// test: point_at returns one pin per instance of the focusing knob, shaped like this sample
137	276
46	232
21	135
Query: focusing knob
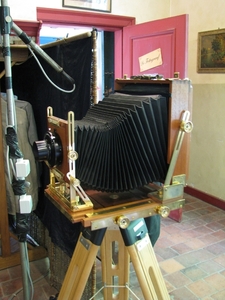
72	155
163	211
187	126
123	222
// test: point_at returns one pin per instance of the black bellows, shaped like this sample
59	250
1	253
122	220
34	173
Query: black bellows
122	142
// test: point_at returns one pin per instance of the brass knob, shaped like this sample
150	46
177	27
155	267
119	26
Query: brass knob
123	222
187	126
163	211
72	155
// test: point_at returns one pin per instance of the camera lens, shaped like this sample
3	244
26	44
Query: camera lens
41	150
49	149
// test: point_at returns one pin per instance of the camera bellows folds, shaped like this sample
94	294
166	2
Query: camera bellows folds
122	142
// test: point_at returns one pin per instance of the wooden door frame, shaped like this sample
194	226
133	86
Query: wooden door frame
107	22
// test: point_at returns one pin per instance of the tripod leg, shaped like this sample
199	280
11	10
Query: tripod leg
144	261
115	265
81	264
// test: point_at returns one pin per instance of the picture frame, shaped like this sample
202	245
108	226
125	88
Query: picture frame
98	5
211	51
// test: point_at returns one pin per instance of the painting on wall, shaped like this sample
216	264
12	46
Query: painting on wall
99	5
211	51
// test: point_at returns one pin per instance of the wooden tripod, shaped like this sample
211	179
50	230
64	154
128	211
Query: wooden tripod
137	243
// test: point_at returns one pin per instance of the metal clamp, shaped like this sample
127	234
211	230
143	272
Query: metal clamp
185	126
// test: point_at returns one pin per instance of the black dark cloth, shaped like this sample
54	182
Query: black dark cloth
63	233
31	85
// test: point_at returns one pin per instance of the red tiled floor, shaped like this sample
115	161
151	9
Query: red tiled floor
181	248
201	288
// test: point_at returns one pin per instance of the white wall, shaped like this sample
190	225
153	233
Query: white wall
143	10
207	157
25	10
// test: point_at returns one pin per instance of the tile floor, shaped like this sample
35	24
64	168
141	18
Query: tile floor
191	255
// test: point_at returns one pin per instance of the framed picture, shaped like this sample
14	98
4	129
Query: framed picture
211	51
99	5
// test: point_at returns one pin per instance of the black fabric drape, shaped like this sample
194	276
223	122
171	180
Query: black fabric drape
31	85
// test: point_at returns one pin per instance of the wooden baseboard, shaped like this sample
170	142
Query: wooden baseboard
205	197
15	259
